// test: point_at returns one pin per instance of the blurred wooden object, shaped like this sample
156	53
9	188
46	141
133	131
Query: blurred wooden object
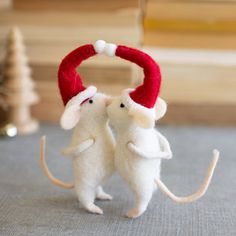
200	114
198	85
73	5
5	4
191	40
18	85
56	33
194	10
3	105
192	24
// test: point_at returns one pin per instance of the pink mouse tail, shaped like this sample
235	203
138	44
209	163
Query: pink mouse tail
47	171
201	191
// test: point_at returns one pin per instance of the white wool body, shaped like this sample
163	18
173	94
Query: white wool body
137	170
92	148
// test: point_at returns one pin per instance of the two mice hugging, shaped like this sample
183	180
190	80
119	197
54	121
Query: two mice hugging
138	149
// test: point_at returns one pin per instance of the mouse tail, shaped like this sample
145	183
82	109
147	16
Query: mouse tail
47	171
201	191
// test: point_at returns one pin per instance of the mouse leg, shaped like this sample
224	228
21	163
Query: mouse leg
142	198
156	177
101	195
86	196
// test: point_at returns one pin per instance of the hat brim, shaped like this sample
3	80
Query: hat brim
70	116
147	115
82	96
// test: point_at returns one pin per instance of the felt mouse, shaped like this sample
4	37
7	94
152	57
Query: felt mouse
139	146
92	144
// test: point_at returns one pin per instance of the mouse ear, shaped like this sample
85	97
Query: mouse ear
142	118
70	116
160	108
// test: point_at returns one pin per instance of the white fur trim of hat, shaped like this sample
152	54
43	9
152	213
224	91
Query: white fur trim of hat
70	116
134	107
82	96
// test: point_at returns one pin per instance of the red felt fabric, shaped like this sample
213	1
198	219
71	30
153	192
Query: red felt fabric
69	81
146	94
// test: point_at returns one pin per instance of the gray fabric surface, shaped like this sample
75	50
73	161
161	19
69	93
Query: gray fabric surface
31	205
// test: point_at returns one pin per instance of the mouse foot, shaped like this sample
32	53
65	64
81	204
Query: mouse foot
134	213
101	195
104	196
95	209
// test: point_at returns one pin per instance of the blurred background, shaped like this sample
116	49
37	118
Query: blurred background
193	41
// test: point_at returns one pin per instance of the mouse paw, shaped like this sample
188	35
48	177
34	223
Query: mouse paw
104	196
95	209
134	213
101	195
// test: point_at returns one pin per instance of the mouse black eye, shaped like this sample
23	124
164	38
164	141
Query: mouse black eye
122	105
90	101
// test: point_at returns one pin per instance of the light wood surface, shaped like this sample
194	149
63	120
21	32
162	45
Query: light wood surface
200	114
190	40
121	18
190	24
191	10
74	5
5	4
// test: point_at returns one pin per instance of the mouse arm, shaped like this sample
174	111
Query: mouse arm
164	145
76	150
145	154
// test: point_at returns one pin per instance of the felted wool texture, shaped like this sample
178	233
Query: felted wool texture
145	94
69	81
137	170
92	151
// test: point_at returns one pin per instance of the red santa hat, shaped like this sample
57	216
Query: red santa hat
69	81
142	99
72	90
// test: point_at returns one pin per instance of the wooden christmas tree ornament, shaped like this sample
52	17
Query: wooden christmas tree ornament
19	85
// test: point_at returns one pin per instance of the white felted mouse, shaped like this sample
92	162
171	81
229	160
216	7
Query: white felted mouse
140	148
92	145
